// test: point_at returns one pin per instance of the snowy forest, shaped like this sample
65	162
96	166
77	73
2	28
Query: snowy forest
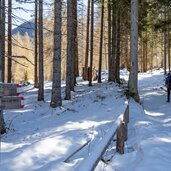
82	85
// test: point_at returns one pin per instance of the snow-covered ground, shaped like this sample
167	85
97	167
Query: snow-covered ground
41	138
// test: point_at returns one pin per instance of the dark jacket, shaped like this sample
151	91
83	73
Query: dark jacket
168	81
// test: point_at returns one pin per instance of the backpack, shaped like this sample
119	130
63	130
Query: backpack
168	81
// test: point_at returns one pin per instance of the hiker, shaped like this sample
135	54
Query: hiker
168	85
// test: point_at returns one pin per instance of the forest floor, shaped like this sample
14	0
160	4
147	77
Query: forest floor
41	138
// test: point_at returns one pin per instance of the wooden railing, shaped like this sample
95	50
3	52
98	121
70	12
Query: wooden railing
119	129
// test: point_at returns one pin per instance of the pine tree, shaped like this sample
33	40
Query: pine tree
41	67
85	76
113	55
2	123
133	76
35	47
69	50
9	41
3	40
56	99
71	47
1	57
118	40
109	41
101	42
92	42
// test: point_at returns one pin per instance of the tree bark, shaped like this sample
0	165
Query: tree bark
9	41
101	42
36	84
85	76
164	60
56	99
69	50
41	67
113	57
74	65
3	40
133	76
109	41
168	42
117	66
75	41
2	123
1	48
92	42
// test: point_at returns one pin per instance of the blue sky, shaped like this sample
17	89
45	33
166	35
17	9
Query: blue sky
27	13
21	15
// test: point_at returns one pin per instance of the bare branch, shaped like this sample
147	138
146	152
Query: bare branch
23	57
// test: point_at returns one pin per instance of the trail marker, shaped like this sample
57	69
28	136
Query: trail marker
11	102
8	100
9	89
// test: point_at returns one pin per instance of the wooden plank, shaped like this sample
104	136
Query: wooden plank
76	151
90	163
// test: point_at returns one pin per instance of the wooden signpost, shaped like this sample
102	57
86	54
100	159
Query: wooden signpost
8	89
8	96
9	99
11	102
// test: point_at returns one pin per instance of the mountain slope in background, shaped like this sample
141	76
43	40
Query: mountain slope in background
27	27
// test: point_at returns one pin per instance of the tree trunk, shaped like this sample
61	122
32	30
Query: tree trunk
85	75
101	42
1	48
109	41
75	41
168	50
2	123
144	56
3	40
36	84
168	36
133	76
41	67
113	57
9	41
117	66
127	63
76	58
152	53
56	99
164	60
69	50
92	42
74	65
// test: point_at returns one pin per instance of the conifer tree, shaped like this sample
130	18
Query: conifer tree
41	67
9	41
56	99
133	76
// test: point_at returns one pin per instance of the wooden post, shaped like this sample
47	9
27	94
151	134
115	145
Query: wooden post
120	139
125	131
2	122
126	114
125	121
